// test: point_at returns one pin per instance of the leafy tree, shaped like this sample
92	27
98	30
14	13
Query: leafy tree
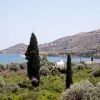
33	64
69	80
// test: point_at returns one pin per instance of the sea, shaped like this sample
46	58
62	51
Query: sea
18	58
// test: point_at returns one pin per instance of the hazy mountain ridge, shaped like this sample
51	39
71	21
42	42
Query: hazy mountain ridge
83	41
16	49
79	42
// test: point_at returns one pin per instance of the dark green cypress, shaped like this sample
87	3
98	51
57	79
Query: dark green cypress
33	64
69	80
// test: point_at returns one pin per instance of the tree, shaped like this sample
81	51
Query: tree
33	64
69	80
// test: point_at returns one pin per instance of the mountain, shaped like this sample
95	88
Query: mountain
84	41
16	49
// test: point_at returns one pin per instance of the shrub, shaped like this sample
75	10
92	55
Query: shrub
1	97
2	84
25	84
14	67
46	64
23	66
7	66
80	91
43	59
62	76
55	71
80	66
44	71
57	86
95	71
12	87
47	95
98	89
52	83
2	67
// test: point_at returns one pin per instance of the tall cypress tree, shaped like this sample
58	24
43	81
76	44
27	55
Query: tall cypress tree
69	80
33	64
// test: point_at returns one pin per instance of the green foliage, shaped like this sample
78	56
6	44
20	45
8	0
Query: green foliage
25	84
44	71
79	75
12	87
47	95
52	83
23	66
2	84
50	88
69	80
2	67
43	59
32	55
55	71
98	89
81	91
14	67
17	86
95	71
80	66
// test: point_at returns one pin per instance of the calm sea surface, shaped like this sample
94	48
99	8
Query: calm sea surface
8	58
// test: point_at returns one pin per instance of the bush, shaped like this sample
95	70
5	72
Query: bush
12	87
80	66
46	95
2	67
2	84
80	91
98	89
23	66
25	84
44	71
43	59
95	71
14	67
55	71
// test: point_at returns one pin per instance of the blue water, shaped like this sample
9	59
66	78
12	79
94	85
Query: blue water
8	58
74	59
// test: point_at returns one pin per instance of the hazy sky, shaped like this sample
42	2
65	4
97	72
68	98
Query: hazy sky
48	19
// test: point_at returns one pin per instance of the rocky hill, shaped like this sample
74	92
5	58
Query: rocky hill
16	49
85	42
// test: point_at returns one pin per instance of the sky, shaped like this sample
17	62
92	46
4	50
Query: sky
48	19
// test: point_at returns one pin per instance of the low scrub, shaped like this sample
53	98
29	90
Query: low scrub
44	71
78	66
81	91
12	88
2	67
14	67
25	84
95	71
23	66
2	84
